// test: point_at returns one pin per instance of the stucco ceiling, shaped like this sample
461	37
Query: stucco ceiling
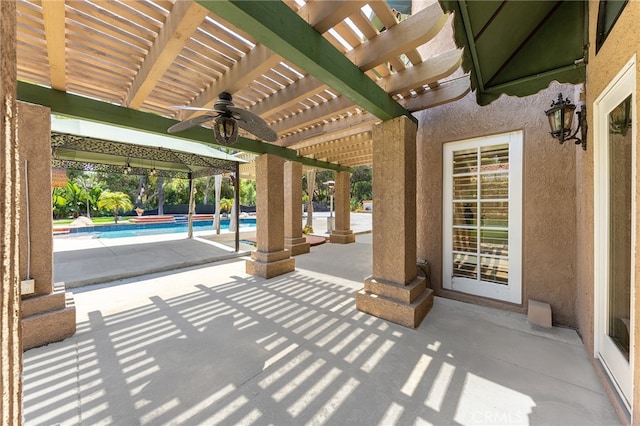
320	73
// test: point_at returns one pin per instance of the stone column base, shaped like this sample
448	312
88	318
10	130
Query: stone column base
47	318
297	245
269	265
406	305
342	237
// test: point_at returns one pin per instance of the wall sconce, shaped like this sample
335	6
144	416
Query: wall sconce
561	120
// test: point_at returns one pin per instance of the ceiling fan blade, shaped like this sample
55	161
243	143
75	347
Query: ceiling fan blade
253	124
192	122
188	108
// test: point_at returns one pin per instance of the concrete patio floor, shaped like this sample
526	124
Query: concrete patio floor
212	345
82	259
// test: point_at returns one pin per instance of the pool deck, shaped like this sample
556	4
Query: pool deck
81	260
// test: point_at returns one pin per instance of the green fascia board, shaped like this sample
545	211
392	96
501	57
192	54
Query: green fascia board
278	27
530	85
80	107
463	36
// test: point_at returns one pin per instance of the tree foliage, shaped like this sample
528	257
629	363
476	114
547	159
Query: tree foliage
247	192
115	201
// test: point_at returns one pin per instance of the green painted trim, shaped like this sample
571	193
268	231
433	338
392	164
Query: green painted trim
471	44
102	112
571	74
275	25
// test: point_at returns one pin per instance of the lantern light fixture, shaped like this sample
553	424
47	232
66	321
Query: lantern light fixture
560	117
225	129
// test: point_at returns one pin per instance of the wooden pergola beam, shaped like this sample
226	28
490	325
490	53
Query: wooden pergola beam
53	15
380	46
306	48
260	59
427	72
446	92
407	35
184	19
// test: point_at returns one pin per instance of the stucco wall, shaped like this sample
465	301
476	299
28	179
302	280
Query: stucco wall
622	43
34	136
549	231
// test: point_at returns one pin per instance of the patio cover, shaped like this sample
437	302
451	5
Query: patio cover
320	73
519	47
84	145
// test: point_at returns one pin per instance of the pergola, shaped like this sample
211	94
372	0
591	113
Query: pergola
320	73
96	147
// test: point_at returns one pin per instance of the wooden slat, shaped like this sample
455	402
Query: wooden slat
183	21
229	53
245	71
358	156
83	35
204	58
336	129
354	143
111	19
335	106
347	34
131	16
54	25
324	15
158	10
447	92
82	18
409	34
384	13
428	72
205	72
228	34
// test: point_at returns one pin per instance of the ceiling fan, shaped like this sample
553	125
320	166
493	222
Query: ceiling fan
227	118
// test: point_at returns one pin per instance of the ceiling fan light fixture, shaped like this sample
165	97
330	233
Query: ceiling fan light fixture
225	129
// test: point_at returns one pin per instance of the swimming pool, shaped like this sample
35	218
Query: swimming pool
138	229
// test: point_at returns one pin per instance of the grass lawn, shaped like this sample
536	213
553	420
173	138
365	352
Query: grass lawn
93	219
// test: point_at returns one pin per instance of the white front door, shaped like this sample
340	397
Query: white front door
615	170
482	219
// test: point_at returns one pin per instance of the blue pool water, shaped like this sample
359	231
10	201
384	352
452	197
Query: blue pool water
136	230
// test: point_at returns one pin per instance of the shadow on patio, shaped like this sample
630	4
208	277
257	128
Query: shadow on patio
213	345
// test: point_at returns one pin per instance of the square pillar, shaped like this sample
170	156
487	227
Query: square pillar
10	342
341	233
270	258
294	241
48	314
394	291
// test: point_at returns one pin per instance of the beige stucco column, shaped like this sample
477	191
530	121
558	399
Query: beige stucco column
270	258
342	234
294	241
394	291
48	314
10	345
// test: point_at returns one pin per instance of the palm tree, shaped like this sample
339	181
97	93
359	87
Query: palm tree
225	205
115	201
